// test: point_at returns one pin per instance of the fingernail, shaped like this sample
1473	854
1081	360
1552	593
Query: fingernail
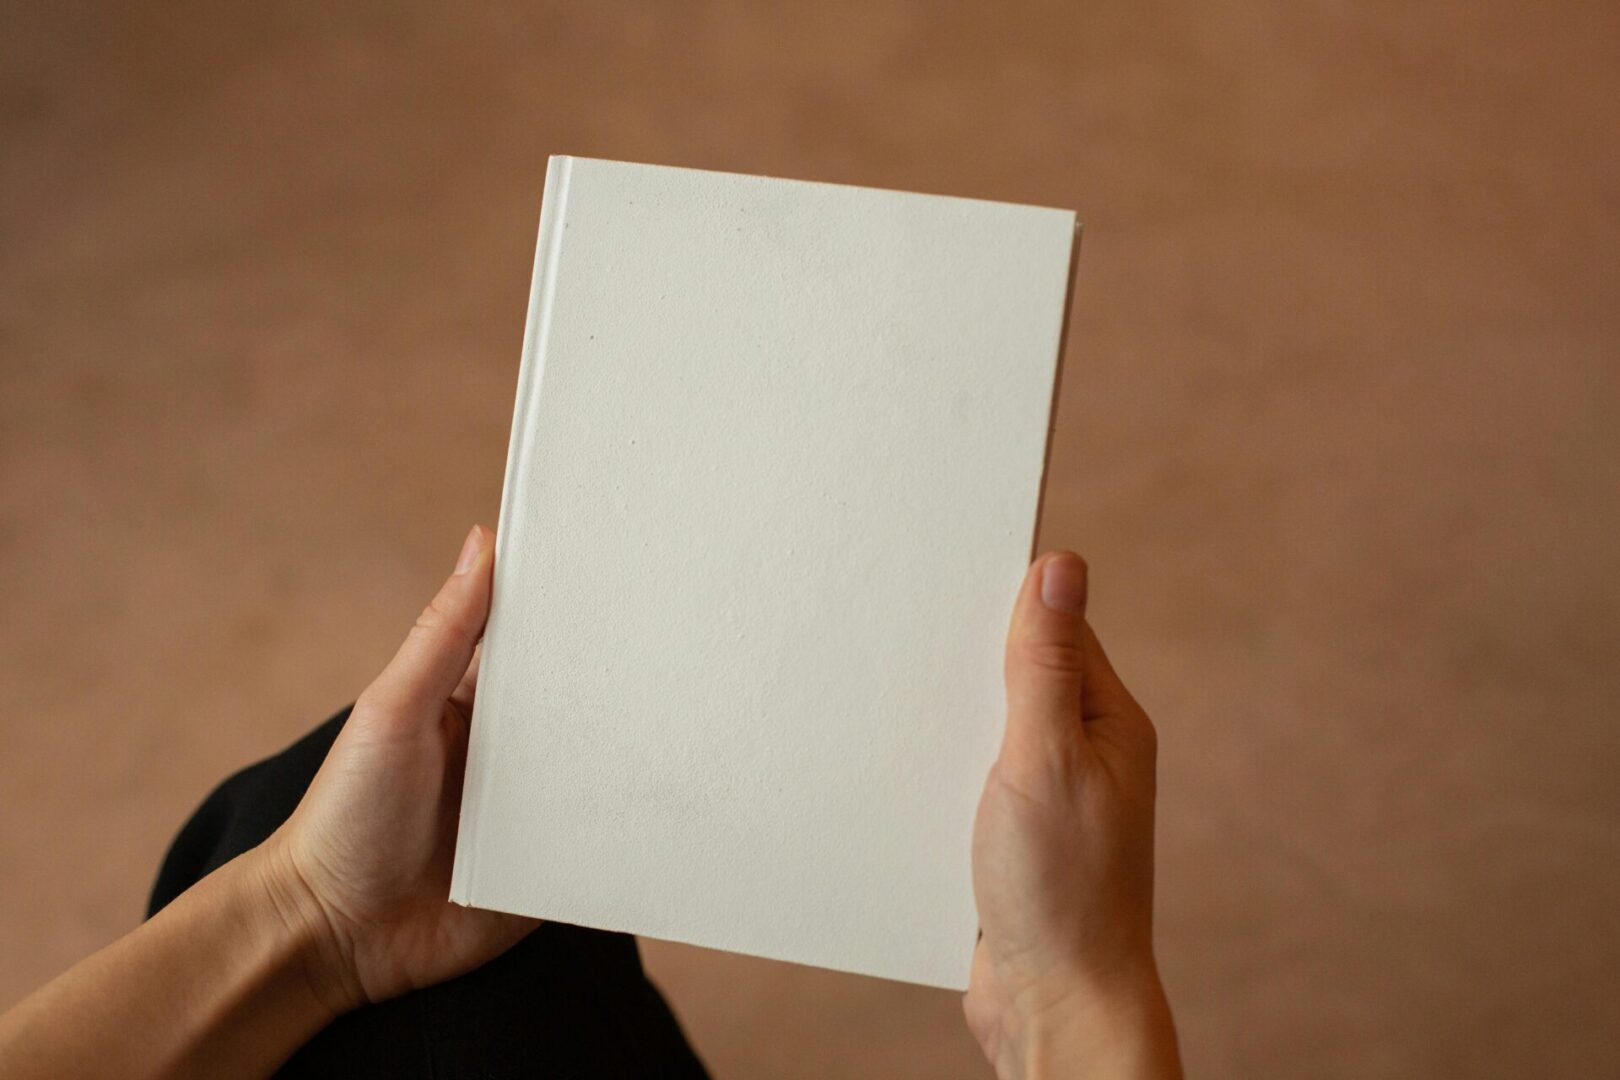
470	551
1063	583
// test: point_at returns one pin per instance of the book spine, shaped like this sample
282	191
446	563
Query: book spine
484	739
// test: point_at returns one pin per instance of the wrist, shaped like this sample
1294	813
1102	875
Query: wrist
223	981
1080	1026
304	938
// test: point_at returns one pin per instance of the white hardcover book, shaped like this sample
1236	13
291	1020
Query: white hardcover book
775	468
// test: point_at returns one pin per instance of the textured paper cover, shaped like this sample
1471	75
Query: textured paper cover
775	465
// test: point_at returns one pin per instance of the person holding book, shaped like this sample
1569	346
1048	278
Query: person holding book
300	921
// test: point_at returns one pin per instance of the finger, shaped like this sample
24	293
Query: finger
433	659
466	690
1046	661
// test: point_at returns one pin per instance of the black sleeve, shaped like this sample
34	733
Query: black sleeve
564	1002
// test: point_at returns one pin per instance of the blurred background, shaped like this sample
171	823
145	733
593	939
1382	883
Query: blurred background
1340	436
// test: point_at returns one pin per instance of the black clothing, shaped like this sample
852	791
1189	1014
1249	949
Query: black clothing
564	1002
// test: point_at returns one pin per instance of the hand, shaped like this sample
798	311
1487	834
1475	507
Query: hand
346	903
1064	981
362	866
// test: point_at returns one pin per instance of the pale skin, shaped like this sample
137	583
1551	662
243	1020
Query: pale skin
346	903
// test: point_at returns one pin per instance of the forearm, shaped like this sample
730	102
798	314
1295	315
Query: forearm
218	983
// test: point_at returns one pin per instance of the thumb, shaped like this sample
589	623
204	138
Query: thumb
1046	663
429	665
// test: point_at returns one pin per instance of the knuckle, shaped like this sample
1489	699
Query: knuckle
432	617
437	619
1064	658
373	701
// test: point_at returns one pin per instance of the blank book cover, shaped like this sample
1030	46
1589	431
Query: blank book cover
775	467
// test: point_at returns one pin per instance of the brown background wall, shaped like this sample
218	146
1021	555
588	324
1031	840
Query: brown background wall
1340	440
